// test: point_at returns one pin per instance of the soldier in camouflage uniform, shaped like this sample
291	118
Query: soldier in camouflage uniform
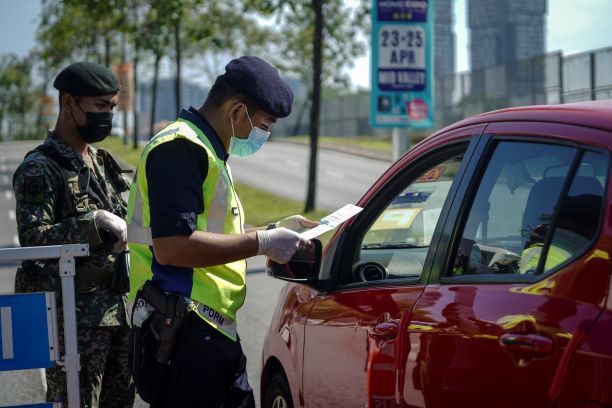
69	192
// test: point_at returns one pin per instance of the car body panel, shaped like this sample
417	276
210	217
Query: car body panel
334	344
341	338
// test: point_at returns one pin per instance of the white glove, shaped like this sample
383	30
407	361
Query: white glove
296	223
279	244
105	220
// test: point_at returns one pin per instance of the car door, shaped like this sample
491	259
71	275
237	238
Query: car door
519	276
380	269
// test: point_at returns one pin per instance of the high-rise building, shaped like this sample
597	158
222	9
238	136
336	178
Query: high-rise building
444	38
508	35
505	31
444	56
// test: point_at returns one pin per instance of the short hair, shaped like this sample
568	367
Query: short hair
62	93
222	91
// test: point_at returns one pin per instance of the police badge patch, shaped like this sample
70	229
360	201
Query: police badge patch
34	189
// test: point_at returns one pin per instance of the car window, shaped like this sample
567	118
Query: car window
396	243
511	223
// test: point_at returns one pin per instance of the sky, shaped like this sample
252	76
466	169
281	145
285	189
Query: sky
573	26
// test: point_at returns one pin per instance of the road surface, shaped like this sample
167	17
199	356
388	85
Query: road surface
279	168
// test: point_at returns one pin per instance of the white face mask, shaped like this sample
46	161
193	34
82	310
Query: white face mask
246	147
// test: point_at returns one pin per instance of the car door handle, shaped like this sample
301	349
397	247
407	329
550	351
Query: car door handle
385	330
530	343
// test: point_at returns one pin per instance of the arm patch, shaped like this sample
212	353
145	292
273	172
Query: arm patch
34	189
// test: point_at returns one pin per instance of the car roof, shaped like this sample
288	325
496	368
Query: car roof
594	114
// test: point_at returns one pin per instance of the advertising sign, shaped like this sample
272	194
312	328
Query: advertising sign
124	73
402	69
48	112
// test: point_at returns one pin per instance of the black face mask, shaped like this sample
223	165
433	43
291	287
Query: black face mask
98	125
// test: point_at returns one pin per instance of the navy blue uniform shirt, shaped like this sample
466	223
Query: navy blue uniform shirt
176	171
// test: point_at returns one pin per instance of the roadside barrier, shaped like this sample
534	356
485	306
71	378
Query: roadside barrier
29	336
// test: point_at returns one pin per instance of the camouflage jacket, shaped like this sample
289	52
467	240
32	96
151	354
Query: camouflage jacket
55	206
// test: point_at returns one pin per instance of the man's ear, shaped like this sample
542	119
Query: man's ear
236	109
66	102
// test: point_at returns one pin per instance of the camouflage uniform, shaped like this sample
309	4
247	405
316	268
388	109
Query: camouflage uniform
55	207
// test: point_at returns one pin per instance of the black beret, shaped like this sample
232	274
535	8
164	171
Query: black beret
260	82
86	79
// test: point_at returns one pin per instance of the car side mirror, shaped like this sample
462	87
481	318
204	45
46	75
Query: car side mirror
303	267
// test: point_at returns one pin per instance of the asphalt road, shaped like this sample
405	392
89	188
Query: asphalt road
280	168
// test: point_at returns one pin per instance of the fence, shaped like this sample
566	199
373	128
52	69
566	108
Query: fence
547	79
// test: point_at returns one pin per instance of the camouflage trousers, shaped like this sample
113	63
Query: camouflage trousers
105	380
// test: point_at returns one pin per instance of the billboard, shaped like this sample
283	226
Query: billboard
402	64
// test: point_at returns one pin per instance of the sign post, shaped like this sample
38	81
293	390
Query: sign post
402	75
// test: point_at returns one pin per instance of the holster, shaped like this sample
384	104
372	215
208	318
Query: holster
167	321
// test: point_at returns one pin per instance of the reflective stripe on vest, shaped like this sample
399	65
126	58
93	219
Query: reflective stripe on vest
221	287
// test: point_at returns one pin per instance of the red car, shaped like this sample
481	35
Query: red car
477	275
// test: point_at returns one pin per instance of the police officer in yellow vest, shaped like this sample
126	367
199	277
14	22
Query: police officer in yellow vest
188	243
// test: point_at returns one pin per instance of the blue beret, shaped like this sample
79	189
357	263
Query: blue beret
261	83
86	79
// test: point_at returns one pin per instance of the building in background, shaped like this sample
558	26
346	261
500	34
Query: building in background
512	34
444	56
444	38
505	31
192	94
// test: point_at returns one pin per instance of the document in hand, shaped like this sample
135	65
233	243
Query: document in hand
332	221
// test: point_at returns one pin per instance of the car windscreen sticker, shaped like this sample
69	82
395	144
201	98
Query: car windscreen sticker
432	175
397	218
412	197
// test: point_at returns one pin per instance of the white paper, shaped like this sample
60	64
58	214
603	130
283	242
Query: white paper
331	221
316	231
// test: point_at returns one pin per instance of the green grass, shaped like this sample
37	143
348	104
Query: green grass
115	145
370	143
261	207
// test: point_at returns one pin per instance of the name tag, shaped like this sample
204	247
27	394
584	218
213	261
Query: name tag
217	320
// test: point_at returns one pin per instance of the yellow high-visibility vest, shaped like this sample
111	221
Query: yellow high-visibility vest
218	291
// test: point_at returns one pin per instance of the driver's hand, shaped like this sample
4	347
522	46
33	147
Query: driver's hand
296	223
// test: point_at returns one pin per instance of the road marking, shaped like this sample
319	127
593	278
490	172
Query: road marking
6	321
12	214
8	194
335	174
16	241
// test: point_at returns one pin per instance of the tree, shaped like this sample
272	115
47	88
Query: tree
17	95
79	29
320	40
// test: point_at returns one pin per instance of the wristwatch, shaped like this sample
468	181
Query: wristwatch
271	226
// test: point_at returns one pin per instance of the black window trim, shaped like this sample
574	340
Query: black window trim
468	190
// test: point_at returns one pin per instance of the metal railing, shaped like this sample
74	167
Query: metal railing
66	255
